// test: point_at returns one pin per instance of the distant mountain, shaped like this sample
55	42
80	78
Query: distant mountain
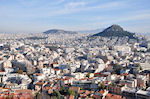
144	34
115	30
59	31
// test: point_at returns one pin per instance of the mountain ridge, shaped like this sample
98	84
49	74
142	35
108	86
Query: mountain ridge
115	30
59	31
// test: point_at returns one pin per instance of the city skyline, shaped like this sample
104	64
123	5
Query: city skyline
38	16
74	49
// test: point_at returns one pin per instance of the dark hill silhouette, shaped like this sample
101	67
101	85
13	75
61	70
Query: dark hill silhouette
115	30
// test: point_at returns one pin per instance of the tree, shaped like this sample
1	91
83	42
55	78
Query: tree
57	94
140	68
54	97
31	76
38	95
88	75
70	92
116	69
20	71
48	97
102	86
138	65
63	90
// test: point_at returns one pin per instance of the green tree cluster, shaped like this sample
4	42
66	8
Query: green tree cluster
116	69
20	71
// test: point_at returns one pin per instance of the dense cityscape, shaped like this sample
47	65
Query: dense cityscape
74	49
60	65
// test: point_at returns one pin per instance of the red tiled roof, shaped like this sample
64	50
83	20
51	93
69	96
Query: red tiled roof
87	92
56	69
71	97
124	74
38	74
57	79
114	96
96	96
2	71
55	63
81	91
39	83
102	92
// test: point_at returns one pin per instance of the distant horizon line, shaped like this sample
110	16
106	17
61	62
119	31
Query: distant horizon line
78	31
75	31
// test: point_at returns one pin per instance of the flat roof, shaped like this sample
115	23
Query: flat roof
143	92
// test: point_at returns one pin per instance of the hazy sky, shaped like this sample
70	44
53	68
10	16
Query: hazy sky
41	15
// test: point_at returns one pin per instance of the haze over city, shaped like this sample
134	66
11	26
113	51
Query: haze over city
39	15
74	49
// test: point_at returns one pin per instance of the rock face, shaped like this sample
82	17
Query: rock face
59	31
115	30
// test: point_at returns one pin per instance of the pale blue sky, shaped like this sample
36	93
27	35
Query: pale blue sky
41	15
